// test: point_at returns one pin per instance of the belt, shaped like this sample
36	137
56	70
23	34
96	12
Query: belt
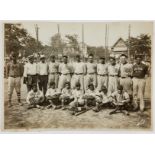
14	76
125	77
31	75
139	77
66	74
90	73
102	75
78	73
113	75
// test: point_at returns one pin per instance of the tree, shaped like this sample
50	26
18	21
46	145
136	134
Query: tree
30	45
73	41
140	45
17	39
96	51
14	36
57	43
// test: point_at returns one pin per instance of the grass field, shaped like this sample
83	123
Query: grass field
18	117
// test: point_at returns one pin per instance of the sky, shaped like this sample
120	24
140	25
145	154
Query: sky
94	32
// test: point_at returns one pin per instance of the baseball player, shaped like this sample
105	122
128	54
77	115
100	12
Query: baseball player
113	73
79	71
66	95
53	71
14	74
90	96
140	72
30	73
42	70
78	102
102	72
102	99
120	99
65	71
126	74
35	97
52	96
91	69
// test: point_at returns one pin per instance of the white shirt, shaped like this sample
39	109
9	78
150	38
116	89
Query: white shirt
125	70
65	68
36	95
90	93
77	93
113	69
51	92
120	97
79	67
102	69
66	92
103	96
42	68
53	67
91	67
30	69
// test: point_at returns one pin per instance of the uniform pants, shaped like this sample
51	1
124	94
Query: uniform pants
75	104
112	84
63	79
127	84
102	81
31	79
14	83
90	78
138	92
77	78
33	101
54	77
43	80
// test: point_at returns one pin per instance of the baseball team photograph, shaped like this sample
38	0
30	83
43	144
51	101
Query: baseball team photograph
62	76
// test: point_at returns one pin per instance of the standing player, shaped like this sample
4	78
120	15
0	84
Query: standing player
79	72
140	72
91	72
30	73
42	74
53	71
14	74
125	74
102	72
65	71
113	72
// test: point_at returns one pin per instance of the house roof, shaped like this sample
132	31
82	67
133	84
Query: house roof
120	40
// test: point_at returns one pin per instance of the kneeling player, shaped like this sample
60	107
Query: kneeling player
90	96
78	103
35	97
66	95
120	99
101	99
52	96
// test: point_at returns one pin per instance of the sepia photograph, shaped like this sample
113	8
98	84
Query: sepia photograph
77	75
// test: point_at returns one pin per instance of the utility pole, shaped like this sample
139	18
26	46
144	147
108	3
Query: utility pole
106	42
58	28
37	36
129	29
83	39
37	32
